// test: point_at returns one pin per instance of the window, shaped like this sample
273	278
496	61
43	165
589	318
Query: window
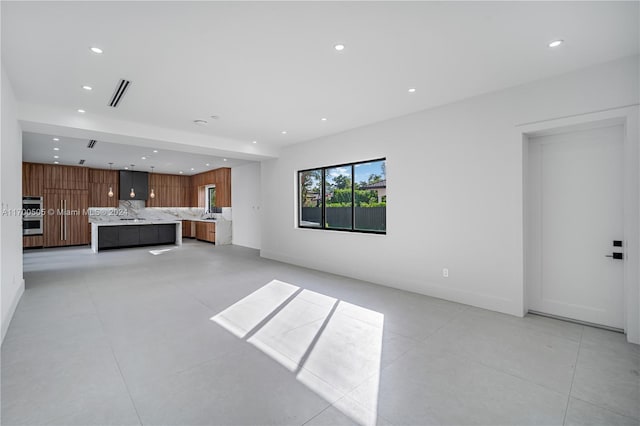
211	198
338	192
347	197
310	190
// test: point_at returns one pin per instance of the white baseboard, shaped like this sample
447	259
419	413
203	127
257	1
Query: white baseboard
8	316
492	303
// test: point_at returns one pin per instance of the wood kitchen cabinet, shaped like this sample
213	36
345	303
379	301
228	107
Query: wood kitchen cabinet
221	178
32	241
169	190
186	229
32	180
99	183
206	231
65	177
66	222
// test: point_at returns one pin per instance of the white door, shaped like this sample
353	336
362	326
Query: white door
576	212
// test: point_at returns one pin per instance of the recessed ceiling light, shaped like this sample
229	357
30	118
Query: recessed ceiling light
143	158
56	139
255	142
56	149
224	159
96	50
56	162
339	47
56	156
556	43
155	150
192	169
200	122
180	172
126	168
412	90
207	164
87	87
81	111
284	132
323	119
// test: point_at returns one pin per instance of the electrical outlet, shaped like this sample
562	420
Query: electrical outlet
445	272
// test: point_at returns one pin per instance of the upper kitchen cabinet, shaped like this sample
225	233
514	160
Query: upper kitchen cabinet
65	177
32	179
221	178
138	181
100	181
169	190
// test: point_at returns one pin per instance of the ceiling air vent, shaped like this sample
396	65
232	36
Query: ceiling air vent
121	88
81	162
92	143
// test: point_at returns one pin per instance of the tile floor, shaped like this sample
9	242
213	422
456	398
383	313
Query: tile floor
205	335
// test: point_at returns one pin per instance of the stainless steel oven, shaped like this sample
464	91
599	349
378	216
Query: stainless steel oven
32	216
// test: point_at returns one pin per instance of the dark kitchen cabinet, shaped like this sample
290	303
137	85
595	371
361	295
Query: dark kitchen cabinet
135	235
108	236
129	235
139	181
148	234
166	233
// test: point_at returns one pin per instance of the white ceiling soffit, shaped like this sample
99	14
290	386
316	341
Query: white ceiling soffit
57	122
269	67
41	148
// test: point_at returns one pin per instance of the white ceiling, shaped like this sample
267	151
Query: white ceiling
39	148
265	67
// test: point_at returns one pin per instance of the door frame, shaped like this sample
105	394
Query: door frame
628	117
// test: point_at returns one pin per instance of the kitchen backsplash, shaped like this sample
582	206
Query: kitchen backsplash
131	204
135	209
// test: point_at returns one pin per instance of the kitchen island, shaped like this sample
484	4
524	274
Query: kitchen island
120	233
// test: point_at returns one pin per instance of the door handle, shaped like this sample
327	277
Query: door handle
65	220
618	256
61	221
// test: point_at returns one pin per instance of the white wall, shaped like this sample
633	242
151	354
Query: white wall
11	282
455	190
246	202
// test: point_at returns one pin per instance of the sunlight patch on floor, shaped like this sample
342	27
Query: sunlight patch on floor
158	252
244	315
331	346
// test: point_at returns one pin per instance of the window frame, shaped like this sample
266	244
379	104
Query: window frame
207	196
323	170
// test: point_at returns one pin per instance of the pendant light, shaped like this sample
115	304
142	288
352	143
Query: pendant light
132	194
152	195
110	193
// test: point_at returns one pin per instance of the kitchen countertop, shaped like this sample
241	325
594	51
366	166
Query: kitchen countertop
119	222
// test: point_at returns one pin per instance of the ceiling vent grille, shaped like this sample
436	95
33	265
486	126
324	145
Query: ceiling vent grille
92	143
81	162
121	88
